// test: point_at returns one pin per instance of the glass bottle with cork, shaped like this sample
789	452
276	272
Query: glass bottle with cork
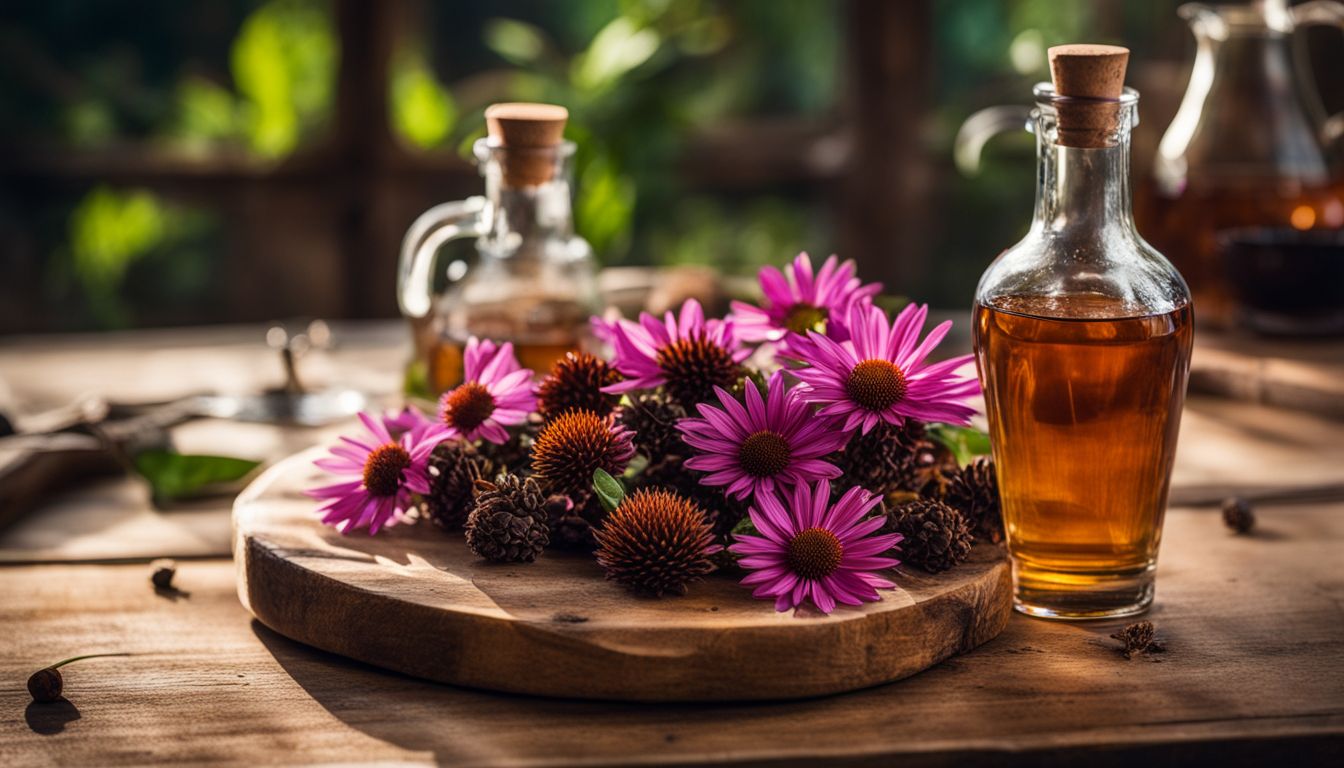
534	282
1083	336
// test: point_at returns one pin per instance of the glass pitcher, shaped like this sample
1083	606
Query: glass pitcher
1247	151
1247	156
534	283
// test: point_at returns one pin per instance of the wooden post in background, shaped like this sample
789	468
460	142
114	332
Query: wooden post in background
364	148
886	194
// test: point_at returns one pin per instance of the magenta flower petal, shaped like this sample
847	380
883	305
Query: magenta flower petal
880	375
497	392
378	476
811	551
653	352
770	442
798	300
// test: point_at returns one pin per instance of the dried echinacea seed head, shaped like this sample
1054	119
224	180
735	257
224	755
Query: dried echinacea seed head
1139	637
46	685
1238	515
163	573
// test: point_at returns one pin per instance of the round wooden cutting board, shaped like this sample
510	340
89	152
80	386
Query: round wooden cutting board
415	600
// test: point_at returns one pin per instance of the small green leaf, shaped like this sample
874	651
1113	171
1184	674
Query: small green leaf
174	475
608	489
965	443
637	465
745	527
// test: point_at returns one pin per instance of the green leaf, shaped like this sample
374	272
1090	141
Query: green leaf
618	48
173	475
516	41
745	527
422	110
965	443
608	489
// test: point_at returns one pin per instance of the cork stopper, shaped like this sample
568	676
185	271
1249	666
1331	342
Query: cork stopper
529	134
1088	82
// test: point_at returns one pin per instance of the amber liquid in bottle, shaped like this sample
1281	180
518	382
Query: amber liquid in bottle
1084	404
446	369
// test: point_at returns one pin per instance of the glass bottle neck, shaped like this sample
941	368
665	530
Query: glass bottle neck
525	218
1081	191
527	221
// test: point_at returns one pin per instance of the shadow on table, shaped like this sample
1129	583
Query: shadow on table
49	718
461	725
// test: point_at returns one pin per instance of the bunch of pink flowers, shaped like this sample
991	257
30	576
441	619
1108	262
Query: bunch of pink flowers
767	440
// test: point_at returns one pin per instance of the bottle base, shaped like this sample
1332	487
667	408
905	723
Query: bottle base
1079	597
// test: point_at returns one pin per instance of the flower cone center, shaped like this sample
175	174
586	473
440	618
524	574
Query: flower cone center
383	468
569	449
694	366
764	454
876	384
815	553
802	318
468	406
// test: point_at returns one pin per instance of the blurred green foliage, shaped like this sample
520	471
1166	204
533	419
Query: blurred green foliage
111	233
284	67
639	78
422	110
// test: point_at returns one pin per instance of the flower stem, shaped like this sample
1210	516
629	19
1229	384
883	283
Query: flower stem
86	656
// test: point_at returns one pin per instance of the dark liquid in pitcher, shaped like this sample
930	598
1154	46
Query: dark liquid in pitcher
1188	227
1084	405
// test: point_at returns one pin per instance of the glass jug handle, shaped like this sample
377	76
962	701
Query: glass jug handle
434	227
1329	13
982	126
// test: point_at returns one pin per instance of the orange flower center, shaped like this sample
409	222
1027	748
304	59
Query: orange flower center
764	454
814	553
383	468
876	384
468	406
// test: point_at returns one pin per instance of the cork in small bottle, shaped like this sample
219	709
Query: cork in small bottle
1088	82
529	135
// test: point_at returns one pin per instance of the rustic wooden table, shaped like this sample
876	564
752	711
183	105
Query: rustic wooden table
1254	671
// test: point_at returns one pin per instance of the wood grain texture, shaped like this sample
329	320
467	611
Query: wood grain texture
557	628
1253	675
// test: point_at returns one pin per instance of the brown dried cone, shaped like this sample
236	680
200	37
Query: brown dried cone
884	460
513	456
572	521
975	491
575	383
936	537
1238	514
454	468
1137	638
935	467
576	444
656	542
722	511
653	418
694	366
508	524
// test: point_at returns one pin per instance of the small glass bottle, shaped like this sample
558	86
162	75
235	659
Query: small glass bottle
1083	335
534	282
